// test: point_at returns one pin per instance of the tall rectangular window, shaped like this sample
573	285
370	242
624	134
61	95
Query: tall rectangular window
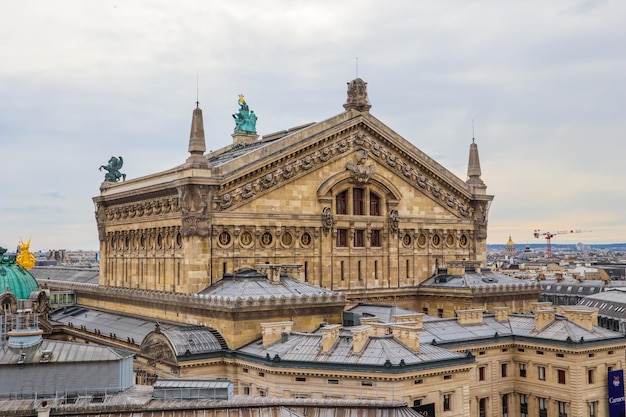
561	376
440	313
342	238
447	402
358	201
593	409
505	405
503	370
523	405
591	376
522	370
375	239
542	403
482	407
359	272
563	408
359	238
306	271
374	205
341	203
541	373
375	269
342	270
481	373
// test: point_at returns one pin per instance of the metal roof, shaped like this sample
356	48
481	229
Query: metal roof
377	351
191	383
251	285
385	312
482	279
124	327
69	274
60	351
192	340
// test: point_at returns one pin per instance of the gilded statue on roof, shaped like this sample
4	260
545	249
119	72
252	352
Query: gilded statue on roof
245	119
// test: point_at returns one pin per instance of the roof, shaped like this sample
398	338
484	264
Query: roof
478	280
124	327
62	352
17	279
190	340
611	303
385	312
378	351
252	285
81	275
191	383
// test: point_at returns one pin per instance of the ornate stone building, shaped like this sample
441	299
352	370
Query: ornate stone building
361	209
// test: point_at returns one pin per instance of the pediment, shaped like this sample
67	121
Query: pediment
365	144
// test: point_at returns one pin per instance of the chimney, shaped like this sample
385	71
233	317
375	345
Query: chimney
330	334
585	317
544	317
408	335
501	313
414	319
469	316
360	336
541	305
273	332
368	320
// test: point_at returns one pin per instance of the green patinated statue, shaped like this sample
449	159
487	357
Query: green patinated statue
113	168
245	119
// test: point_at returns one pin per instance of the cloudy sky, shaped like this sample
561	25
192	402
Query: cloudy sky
542	82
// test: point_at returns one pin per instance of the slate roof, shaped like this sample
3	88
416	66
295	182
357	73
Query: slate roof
69	274
610	303
190	340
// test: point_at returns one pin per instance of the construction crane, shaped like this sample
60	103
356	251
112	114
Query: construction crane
550	235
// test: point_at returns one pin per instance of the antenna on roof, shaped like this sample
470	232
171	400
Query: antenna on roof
473	131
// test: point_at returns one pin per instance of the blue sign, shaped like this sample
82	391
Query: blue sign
616	393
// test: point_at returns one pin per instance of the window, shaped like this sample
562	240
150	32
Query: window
261	374
375	239
358	201
333	381
417	403
561	376
541	373
440	313
300	379
245	370
447	402
563	408
246	390
425	310
342	270
342	238
418	381
503	370
446	377
543	406
522	370
341	201
482	407
505	405
523	405
359	238
539	352
366	383
481	373
593	409
262	393
591	376
374	205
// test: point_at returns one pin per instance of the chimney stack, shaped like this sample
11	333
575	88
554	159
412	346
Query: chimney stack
585	317
273	332
469	316
330	335
501	313
408	335
360	336
544	317
414	319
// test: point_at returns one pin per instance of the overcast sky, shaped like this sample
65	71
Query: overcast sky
544	83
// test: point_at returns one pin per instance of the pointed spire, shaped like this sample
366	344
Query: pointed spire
197	145
473	167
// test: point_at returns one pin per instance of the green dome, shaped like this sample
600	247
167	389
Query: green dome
19	281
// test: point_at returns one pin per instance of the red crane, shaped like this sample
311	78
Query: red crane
550	235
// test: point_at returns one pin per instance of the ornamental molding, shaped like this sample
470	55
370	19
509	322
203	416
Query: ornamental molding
236	192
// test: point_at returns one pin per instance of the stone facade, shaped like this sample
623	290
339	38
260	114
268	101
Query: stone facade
359	207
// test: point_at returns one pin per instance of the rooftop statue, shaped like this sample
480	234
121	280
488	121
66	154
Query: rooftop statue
25	259
245	119
113	168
